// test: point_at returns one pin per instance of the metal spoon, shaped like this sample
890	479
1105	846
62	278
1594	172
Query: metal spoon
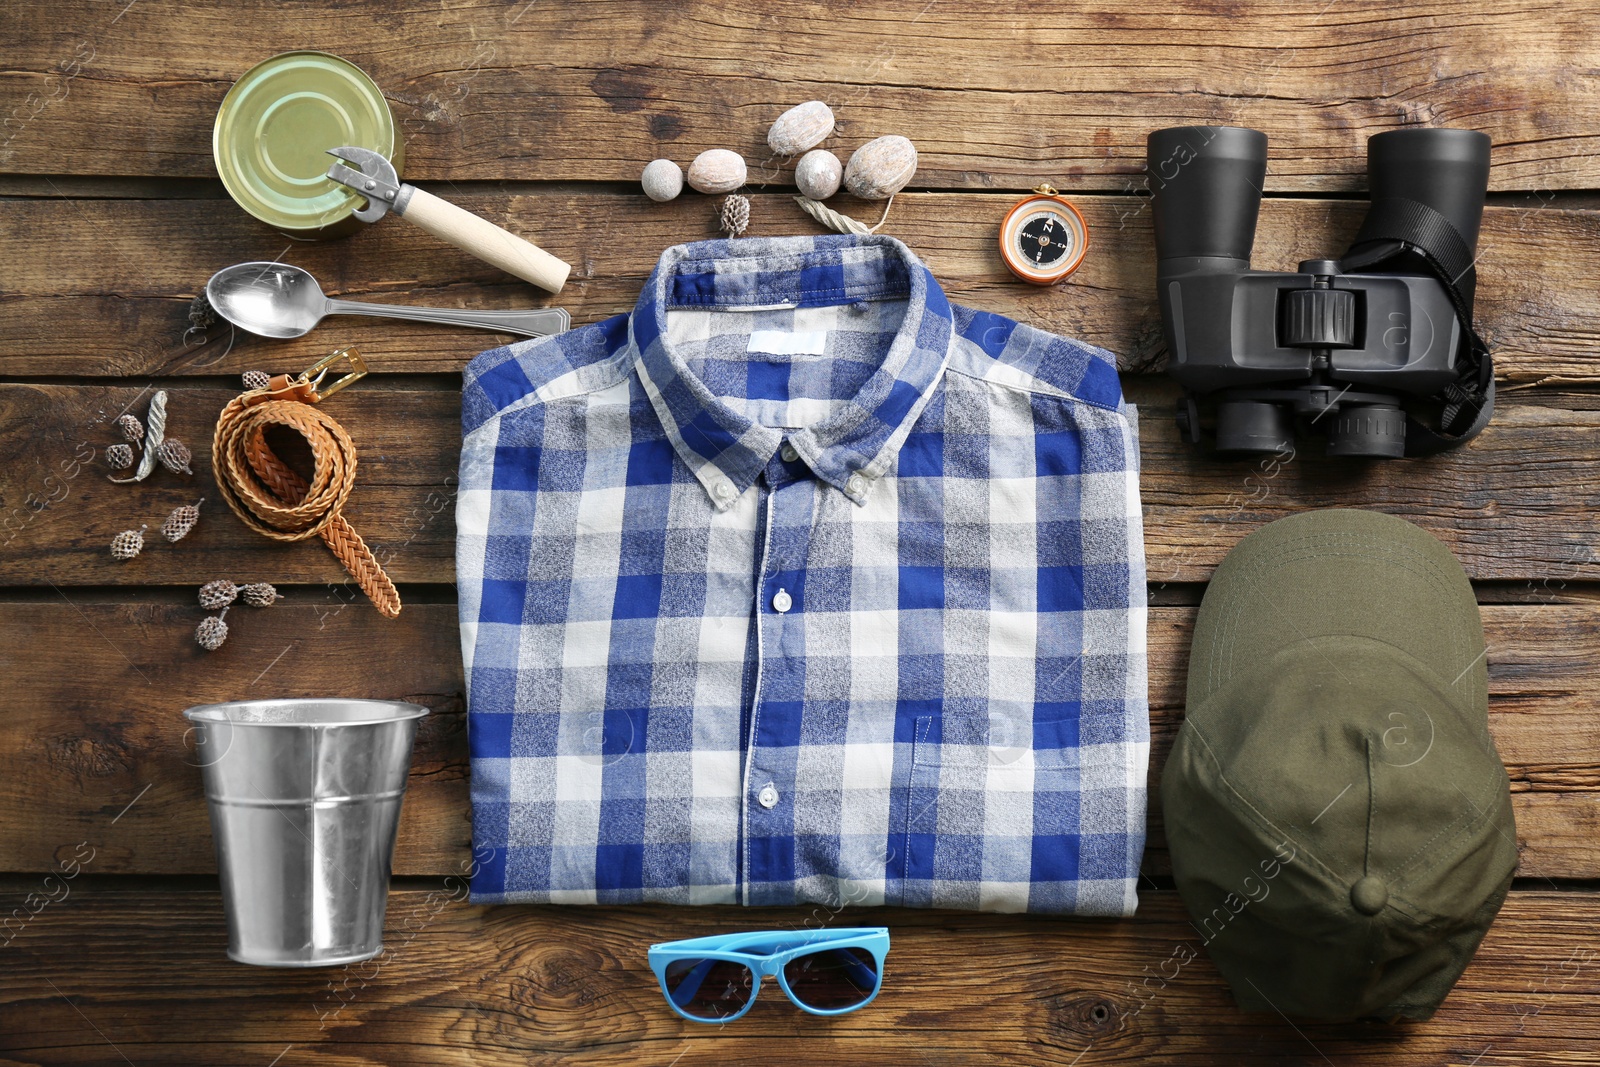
278	300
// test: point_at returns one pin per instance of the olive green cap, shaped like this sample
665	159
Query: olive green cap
1339	821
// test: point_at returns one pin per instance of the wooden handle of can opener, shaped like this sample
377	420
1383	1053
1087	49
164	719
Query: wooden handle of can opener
487	241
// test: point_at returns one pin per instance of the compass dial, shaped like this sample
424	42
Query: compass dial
1043	238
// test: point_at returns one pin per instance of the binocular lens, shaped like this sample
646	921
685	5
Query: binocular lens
1446	169
1372	430
1254	426
1205	182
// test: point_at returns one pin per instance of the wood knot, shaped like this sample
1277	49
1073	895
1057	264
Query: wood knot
90	757
666	126
626	88
565	978
1086	1016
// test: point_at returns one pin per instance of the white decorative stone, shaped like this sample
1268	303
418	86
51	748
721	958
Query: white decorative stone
801	127
662	180
716	171
818	174
880	168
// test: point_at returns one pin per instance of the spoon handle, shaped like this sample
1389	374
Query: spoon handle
531	322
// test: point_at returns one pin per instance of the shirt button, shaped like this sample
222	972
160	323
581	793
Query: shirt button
724	491
781	603
788	453
856	484
768	795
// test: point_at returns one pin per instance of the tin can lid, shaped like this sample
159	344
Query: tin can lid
275	126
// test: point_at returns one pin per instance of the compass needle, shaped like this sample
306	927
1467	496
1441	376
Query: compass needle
1043	238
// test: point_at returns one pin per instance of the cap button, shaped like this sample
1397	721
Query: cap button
1369	895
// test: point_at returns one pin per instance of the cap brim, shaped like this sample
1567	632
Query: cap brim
1340	572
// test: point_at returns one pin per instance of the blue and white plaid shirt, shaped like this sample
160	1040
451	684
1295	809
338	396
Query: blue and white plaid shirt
800	584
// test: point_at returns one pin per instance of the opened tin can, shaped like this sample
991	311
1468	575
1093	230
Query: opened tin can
273	131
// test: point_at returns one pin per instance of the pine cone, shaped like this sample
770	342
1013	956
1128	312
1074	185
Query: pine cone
132	429
256	379
201	314
735	215
119	456
128	544
211	632
217	594
181	521
174	455
259	594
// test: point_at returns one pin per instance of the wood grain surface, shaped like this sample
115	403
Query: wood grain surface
1489	501
140	973
539	115
993	96
101	288
105	743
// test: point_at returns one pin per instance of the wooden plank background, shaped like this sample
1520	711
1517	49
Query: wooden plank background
539	114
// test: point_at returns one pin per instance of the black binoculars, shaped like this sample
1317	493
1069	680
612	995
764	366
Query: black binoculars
1338	348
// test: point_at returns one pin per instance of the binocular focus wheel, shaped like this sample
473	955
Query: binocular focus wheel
1374	430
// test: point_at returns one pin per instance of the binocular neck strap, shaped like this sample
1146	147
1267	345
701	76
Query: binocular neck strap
1395	226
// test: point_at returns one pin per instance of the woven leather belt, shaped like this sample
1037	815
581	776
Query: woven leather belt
275	501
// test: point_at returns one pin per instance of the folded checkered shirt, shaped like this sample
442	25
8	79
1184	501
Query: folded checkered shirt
801	584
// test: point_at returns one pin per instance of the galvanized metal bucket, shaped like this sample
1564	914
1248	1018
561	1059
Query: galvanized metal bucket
305	800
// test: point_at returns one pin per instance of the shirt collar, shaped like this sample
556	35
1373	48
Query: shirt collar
858	443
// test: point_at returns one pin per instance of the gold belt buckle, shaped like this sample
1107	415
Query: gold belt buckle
358	370
307	385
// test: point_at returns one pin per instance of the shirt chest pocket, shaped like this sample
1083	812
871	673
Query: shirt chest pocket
990	798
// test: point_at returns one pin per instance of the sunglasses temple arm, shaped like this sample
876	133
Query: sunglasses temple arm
865	976
691	983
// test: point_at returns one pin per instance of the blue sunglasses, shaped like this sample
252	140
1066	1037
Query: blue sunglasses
825	972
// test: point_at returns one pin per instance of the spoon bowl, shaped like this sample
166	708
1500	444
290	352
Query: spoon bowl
270	299
280	300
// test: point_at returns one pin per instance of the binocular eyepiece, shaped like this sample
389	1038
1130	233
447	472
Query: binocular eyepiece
1335	347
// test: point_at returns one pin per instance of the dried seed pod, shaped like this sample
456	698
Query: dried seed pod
201	314
256	379
174	455
662	180
211	632
157	423
801	127
259	594
128	543
734	217
132	429
181	521
217	594
818	174
881	167
716	170
119	456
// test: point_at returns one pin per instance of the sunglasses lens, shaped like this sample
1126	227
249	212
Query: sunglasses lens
833	978
709	989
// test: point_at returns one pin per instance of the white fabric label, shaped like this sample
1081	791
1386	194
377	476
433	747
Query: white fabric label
789	342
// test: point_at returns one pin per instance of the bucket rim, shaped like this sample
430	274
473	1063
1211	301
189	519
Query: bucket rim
391	711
